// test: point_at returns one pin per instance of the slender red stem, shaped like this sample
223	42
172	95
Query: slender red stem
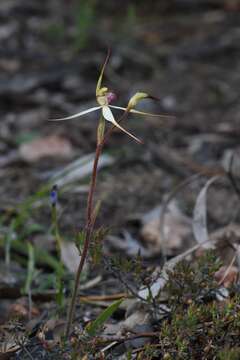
88	234
88	227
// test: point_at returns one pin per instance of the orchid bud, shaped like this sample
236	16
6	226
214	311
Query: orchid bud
135	99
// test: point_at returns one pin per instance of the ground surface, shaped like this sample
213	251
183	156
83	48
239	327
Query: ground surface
50	58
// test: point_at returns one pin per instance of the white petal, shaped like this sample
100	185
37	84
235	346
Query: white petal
140	112
108	115
78	114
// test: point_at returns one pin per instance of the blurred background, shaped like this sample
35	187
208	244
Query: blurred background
185	52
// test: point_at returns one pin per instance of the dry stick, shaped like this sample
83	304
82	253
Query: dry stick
93	298
89	226
227	270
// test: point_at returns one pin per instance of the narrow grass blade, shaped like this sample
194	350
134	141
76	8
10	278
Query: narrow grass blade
94	326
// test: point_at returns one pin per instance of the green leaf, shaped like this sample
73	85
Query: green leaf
31	268
94	326
41	255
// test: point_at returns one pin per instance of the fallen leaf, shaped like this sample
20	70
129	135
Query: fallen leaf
79	169
12	338
127	244
50	146
137	314
227	276
20	309
176	229
199	223
137	318
70	256
226	241
51	333
8	348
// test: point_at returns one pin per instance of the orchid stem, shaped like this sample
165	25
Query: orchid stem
88	232
88	227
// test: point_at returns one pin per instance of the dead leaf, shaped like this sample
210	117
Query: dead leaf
50	146
127	244
176	230
70	256
137	315
8	348
51	333
177	227
79	169
226	241
227	276
12	337
199	224
20	309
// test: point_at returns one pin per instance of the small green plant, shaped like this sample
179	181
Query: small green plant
17	228
199	326
104	97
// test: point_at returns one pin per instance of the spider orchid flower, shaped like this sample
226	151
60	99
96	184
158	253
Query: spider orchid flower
104	97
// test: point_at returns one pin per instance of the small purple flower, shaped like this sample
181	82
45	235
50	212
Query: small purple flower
54	195
111	97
